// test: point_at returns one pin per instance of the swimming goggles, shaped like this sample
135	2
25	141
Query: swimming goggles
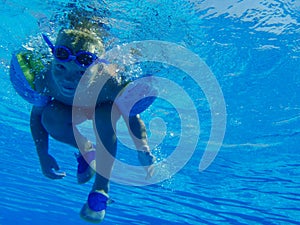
64	54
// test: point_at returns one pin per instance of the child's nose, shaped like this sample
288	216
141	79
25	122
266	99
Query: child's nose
72	71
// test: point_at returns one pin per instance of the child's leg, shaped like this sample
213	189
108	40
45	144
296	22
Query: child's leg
138	134
105	125
137	131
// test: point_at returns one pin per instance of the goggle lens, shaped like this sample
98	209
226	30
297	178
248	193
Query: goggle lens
62	54
85	59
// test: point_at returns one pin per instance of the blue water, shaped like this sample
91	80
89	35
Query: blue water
252	48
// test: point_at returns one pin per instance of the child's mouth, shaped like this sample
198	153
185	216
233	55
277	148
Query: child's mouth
68	90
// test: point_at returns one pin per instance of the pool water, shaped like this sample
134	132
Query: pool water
252	49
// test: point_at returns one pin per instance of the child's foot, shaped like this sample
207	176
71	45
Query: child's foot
94	209
86	166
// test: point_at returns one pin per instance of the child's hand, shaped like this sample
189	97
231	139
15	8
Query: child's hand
50	167
147	160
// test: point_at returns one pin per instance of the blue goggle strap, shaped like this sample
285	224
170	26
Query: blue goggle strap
49	43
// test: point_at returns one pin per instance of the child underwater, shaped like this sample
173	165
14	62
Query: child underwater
51	89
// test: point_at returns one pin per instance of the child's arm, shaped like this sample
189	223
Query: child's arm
41	140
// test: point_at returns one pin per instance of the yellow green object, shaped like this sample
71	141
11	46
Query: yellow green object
30	65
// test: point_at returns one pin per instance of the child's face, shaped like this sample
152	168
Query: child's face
67	75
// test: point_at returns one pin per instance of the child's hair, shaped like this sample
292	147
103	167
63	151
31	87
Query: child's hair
87	20
85	27
81	39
